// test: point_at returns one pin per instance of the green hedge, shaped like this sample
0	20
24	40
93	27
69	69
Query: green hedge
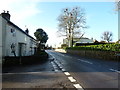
100	47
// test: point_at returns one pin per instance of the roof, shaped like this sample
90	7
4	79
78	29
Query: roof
85	40
11	23
79	38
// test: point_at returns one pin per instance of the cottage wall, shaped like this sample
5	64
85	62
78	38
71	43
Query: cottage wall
3	34
13	39
19	39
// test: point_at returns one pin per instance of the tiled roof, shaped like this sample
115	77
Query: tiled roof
11	23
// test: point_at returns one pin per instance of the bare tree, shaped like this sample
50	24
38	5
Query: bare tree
71	22
107	36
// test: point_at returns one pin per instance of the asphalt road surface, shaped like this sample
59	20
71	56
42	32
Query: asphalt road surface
34	77
64	70
89	73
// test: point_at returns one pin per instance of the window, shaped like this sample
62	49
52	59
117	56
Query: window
13	32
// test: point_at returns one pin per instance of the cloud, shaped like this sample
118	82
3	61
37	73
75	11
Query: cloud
20	9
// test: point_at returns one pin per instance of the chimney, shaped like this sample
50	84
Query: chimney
6	15
27	31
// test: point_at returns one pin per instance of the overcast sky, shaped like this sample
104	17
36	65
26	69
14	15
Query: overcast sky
101	16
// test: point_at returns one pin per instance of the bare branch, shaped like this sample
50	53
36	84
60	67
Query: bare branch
70	21
107	36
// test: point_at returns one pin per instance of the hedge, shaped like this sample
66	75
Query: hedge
100	47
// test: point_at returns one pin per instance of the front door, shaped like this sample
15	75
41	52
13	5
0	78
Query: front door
20	49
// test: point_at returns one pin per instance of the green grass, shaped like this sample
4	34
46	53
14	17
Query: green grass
100	47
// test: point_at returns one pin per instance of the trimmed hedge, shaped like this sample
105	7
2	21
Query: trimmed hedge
100	47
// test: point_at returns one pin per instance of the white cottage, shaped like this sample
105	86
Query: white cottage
13	40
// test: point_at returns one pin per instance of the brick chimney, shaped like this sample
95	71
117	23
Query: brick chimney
27	31
6	15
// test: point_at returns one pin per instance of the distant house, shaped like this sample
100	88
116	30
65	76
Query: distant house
65	41
85	40
79	40
13	40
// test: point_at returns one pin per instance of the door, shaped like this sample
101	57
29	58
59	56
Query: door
20	49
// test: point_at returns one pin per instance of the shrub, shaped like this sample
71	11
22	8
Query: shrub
100	47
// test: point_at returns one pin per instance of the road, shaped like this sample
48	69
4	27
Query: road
63	70
34	76
88	73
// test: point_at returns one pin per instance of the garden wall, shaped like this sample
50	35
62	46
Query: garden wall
10	60
106	55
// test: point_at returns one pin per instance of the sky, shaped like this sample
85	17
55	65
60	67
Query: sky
34	14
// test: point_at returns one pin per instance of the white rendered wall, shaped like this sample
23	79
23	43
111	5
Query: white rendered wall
19	37
3	32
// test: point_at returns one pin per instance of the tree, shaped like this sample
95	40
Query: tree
107	36
41	37
71	22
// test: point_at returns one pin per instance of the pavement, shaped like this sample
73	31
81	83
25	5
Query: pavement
45	75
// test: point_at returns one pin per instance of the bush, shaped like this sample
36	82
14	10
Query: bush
100	47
